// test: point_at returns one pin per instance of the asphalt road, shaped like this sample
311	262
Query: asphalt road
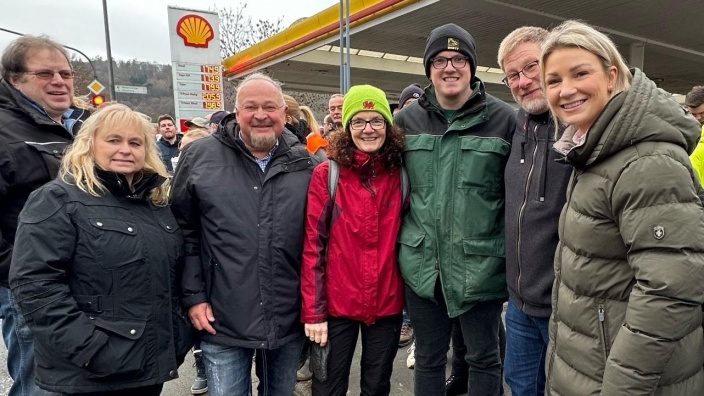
401	380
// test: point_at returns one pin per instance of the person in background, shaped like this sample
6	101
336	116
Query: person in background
197	123
451	243
409	95
695	103
350	278
170	139
629	267
215	118
328	125
335	111
536	183
255	244
95	265
37	123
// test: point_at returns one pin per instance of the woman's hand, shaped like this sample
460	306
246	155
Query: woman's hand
317	332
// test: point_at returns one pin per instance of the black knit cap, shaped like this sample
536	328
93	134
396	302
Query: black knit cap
450	37
411	91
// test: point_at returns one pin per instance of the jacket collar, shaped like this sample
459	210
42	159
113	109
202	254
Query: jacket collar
117	184
475	103
15	101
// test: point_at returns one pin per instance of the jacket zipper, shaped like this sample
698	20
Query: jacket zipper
602	326
521	212
556	288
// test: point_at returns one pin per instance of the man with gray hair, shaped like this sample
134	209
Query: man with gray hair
239	198
37	122
535	185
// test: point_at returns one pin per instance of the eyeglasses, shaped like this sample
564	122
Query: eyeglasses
270	108
46	74
359	124
458	62
530	70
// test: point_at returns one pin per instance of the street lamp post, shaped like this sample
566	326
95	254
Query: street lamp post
111	79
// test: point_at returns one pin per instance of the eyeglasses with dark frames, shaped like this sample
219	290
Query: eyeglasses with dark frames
458	62
47	74
358	124
530	70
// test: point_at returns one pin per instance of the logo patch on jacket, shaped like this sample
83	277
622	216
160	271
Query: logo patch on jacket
368	104
659	232
453	44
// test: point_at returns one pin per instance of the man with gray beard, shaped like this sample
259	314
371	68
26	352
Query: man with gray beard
239	197
535	193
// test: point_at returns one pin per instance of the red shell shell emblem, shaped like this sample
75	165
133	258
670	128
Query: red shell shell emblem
195	31
368	105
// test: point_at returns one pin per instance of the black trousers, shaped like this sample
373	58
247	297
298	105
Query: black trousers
379	347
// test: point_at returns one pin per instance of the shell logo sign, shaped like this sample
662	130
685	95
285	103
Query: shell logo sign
195	31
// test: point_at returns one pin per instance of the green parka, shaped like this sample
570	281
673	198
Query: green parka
629	268
455	225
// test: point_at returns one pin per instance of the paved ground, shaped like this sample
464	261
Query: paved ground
401	379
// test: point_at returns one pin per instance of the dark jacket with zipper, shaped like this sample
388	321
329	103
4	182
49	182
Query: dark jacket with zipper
454	229
97	281
31	146
243	233
167	150
535	193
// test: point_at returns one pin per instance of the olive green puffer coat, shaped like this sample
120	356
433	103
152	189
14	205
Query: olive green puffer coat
629	268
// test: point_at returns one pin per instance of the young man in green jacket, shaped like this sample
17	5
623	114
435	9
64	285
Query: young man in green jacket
452	239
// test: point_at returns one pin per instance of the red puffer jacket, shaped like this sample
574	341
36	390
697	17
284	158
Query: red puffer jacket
360	278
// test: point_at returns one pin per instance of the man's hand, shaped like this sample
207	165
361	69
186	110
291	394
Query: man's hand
317	332
201	316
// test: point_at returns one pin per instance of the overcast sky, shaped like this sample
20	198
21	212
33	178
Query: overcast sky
138	28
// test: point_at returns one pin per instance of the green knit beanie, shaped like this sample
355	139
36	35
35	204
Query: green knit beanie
365	98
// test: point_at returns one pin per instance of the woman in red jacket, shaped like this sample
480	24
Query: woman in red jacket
350	278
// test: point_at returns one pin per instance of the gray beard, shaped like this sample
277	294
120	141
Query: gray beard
262	142
534	106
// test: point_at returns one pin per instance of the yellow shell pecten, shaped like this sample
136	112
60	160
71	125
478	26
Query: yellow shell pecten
195	31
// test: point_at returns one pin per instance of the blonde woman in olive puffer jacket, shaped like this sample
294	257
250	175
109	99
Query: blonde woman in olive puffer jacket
629	269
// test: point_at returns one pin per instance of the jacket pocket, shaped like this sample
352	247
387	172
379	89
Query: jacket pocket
418	156
484	266
603	331
51	153
124	355
413	255
481	163
110	233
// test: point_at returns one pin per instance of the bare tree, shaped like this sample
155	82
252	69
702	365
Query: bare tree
239	31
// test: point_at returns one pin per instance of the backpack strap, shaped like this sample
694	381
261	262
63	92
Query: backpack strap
333	176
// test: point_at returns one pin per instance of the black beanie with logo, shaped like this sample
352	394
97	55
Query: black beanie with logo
450	37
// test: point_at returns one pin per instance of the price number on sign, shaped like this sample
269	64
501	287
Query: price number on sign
209	69
211	105
210	78
211	87
211	96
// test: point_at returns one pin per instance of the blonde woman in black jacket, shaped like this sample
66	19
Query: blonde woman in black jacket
95	264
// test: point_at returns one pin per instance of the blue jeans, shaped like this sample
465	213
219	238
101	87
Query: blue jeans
526	343
20	347
480	328
229	369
